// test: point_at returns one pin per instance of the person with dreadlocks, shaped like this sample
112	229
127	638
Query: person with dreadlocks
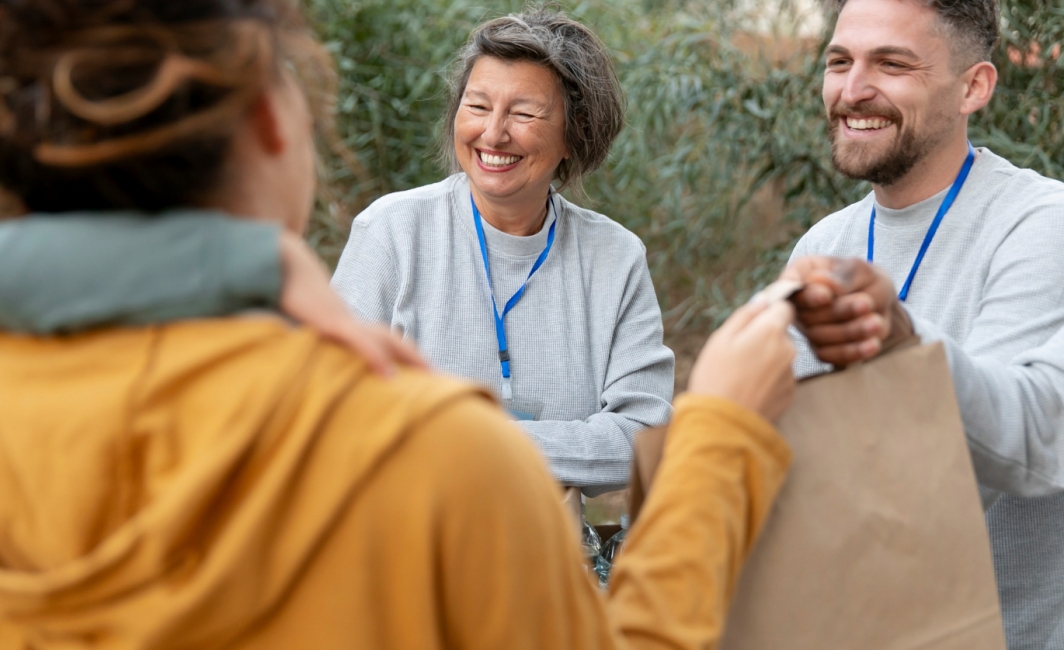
241	482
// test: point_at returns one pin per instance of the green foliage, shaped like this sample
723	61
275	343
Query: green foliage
709	127
1025	122
392	56
724	161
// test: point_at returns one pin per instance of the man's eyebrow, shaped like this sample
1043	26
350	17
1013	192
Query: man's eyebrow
885	50
894	50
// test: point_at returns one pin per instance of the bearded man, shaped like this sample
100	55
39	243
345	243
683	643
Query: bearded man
967	250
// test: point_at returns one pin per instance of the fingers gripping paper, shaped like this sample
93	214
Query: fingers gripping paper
877	540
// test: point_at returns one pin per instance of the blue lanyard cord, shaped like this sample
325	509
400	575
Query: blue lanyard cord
947	203
500	322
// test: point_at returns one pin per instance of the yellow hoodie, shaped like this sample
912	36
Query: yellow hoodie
242	484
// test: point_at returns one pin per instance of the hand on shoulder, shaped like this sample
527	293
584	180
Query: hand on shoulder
307	298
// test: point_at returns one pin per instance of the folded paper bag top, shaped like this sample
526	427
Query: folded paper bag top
877	540
779	290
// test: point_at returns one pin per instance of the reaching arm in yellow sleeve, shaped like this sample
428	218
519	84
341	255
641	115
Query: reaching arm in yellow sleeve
469	546
516	569
513	573
722	468
460	541
318	505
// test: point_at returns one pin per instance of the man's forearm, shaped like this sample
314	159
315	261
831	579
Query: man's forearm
1012	413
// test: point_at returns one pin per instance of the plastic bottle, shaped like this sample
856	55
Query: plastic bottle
591	541
608	554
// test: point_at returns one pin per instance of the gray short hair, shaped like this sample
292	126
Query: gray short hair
972	24
594	101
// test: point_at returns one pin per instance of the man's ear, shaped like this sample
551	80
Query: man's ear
266	124
979	83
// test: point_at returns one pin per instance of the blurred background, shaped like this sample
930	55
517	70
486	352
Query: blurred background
725	159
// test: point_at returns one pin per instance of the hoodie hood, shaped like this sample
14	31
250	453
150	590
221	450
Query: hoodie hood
149	476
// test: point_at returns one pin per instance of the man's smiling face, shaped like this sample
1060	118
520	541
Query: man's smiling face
891	88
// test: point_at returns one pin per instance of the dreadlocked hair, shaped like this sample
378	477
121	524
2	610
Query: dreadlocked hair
131	104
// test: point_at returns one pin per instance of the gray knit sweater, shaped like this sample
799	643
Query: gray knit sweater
588	361
991	288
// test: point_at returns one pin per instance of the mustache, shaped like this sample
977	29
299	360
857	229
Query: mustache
842	109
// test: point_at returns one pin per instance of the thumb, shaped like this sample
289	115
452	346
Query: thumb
778	316
799	269
743	316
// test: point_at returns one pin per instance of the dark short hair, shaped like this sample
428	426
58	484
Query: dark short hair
131	104
594	101
973	26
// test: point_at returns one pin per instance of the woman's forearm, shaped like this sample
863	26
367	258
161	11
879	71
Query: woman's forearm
722	468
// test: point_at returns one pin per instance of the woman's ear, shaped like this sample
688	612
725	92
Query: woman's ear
266	124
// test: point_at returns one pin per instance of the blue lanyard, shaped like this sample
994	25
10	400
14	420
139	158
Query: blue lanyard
947	203
500	324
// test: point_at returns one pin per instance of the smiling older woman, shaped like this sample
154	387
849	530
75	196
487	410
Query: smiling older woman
499	278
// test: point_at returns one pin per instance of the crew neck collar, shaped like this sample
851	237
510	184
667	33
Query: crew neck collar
499	242
924	211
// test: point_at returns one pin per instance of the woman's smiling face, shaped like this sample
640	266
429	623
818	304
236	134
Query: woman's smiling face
509	133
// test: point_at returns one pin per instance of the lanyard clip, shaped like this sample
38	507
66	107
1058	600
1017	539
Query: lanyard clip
507	390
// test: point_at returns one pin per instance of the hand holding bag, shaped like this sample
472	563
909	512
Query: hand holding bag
877	540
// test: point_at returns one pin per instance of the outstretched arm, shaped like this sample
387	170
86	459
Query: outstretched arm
513	573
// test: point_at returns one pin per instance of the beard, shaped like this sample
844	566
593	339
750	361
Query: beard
860	162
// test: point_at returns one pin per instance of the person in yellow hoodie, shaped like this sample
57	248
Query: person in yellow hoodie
242	482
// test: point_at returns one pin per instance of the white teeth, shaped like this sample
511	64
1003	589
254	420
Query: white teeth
498	161
867	124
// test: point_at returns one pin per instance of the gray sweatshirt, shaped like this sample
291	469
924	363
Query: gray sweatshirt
588	361
991	288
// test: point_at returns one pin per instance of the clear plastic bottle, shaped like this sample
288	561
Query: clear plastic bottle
591	542
608	554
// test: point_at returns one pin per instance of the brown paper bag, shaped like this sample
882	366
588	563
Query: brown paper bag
574	505
646	456
877	540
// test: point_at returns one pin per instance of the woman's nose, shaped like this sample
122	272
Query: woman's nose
496	130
